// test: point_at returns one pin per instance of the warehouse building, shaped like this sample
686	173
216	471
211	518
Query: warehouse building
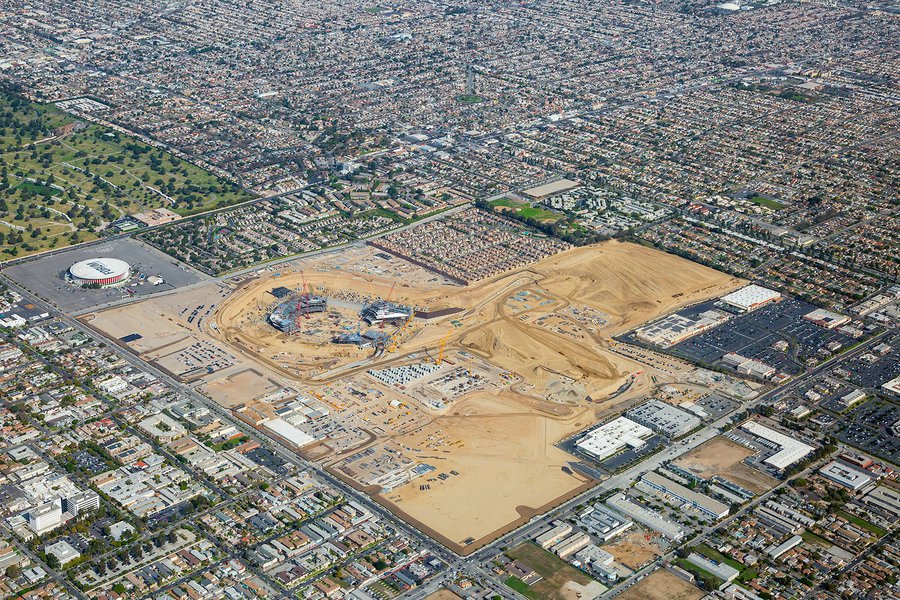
788	449
664	418
608	439
701	502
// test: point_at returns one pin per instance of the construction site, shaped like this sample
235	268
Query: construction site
423	392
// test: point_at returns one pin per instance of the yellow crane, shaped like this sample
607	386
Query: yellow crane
440	357
394	339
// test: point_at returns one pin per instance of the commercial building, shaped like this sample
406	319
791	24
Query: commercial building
608	439
63	551
749	298
788	449
826	318
381	310
892	386
81	502
675	328
99	271
704	504
664	418
845	475
45	517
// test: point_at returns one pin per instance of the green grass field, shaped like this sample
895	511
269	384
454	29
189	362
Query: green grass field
525	210
555	572
863	524
766	202
59	188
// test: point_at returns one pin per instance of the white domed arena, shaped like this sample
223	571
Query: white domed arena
99	271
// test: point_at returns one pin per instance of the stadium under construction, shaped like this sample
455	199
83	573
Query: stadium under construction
286	316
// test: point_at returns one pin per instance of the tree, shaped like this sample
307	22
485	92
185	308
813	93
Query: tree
14	571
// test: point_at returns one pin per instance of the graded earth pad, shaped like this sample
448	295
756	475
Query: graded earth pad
723	457
527	356
662	584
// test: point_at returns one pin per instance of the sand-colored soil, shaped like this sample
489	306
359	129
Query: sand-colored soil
506	459
507	464
634	549
443	594
721	456
662	584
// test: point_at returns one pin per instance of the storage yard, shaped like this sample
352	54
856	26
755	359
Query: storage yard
457	404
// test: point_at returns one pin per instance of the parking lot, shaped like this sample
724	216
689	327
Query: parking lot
753	334
869	428
45	276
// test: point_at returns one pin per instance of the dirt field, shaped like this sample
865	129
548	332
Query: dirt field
634	550
662	584
443	594
505	452
563	375
721	456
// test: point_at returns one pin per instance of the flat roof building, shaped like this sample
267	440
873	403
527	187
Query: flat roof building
664	418
826	318
553	535
608	439
546	190
750	298
703	503
845	475
789	449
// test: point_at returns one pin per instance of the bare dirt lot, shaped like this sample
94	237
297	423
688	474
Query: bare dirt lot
561	373
721	456
662	585
634	549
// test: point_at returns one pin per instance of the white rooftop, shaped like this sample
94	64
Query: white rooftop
791	450
608	439
748	297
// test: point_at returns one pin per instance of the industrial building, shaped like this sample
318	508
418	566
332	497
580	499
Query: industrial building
647	517
553	535
788	450
701	502
749	298
102	272
845	475
608	439
664	418
602	523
